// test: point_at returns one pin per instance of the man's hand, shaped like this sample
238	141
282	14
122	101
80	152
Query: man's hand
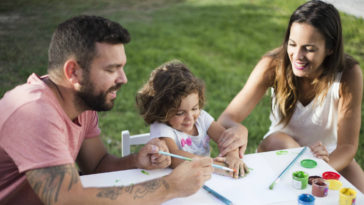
149	158
233	138
188	177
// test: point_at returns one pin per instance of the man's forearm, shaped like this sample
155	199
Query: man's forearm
62	185
111	163
155	191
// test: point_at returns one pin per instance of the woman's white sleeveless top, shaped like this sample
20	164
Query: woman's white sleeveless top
317	121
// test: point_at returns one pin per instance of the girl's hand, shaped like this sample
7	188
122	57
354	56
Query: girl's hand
237	164
221	161
319	151
232	162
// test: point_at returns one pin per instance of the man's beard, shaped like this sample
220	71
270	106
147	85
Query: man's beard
92	101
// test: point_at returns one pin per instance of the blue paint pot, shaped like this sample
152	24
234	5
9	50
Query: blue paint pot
306	199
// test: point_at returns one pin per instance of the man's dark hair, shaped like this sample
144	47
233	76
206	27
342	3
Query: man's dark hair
78	36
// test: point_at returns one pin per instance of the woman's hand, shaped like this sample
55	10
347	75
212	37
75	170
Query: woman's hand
233	138
319	151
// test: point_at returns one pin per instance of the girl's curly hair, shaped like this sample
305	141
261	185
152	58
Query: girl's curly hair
159	99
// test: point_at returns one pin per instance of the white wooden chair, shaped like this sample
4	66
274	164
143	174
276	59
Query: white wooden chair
127	141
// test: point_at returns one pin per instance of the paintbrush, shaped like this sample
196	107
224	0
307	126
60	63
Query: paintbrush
285	170
189	159
217	195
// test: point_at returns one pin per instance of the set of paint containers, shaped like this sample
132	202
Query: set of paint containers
320	187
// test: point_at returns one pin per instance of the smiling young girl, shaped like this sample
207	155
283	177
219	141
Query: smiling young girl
171	102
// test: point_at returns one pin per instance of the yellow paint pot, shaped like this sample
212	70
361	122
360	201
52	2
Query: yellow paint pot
334	184
347	196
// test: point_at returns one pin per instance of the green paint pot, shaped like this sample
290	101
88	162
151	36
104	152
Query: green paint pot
299	179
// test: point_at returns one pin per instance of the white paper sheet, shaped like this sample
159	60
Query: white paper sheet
250	190
253	189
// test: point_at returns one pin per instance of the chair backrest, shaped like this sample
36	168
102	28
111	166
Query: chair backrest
127	140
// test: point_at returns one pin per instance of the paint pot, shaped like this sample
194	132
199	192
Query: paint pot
319	187
330	175
299	179
334	184
347	196
308	163
281	152
311	178
306	199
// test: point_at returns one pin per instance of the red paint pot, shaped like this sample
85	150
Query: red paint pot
330	175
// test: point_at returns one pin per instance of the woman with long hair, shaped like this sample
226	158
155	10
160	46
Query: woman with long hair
316	92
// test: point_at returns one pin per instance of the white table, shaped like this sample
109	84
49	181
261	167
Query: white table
252	189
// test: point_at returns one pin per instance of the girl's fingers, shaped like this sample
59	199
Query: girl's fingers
220	159
241	171
246	169
236	167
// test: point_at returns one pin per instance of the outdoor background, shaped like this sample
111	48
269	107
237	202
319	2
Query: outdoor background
220	41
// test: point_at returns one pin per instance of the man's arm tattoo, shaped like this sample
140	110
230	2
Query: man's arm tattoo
110	192
150	187
138	191
46	182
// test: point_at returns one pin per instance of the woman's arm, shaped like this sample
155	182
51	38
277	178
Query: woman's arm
244	102
261	78
349	118
215	131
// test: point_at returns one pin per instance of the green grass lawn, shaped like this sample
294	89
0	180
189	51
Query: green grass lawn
219	40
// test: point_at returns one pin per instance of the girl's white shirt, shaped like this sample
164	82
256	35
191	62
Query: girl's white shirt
198	145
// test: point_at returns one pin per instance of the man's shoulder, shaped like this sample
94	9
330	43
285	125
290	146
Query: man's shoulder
27	92
26	99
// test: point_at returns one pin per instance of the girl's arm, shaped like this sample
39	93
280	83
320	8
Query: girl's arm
173	148
261	78
231	159
349	119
